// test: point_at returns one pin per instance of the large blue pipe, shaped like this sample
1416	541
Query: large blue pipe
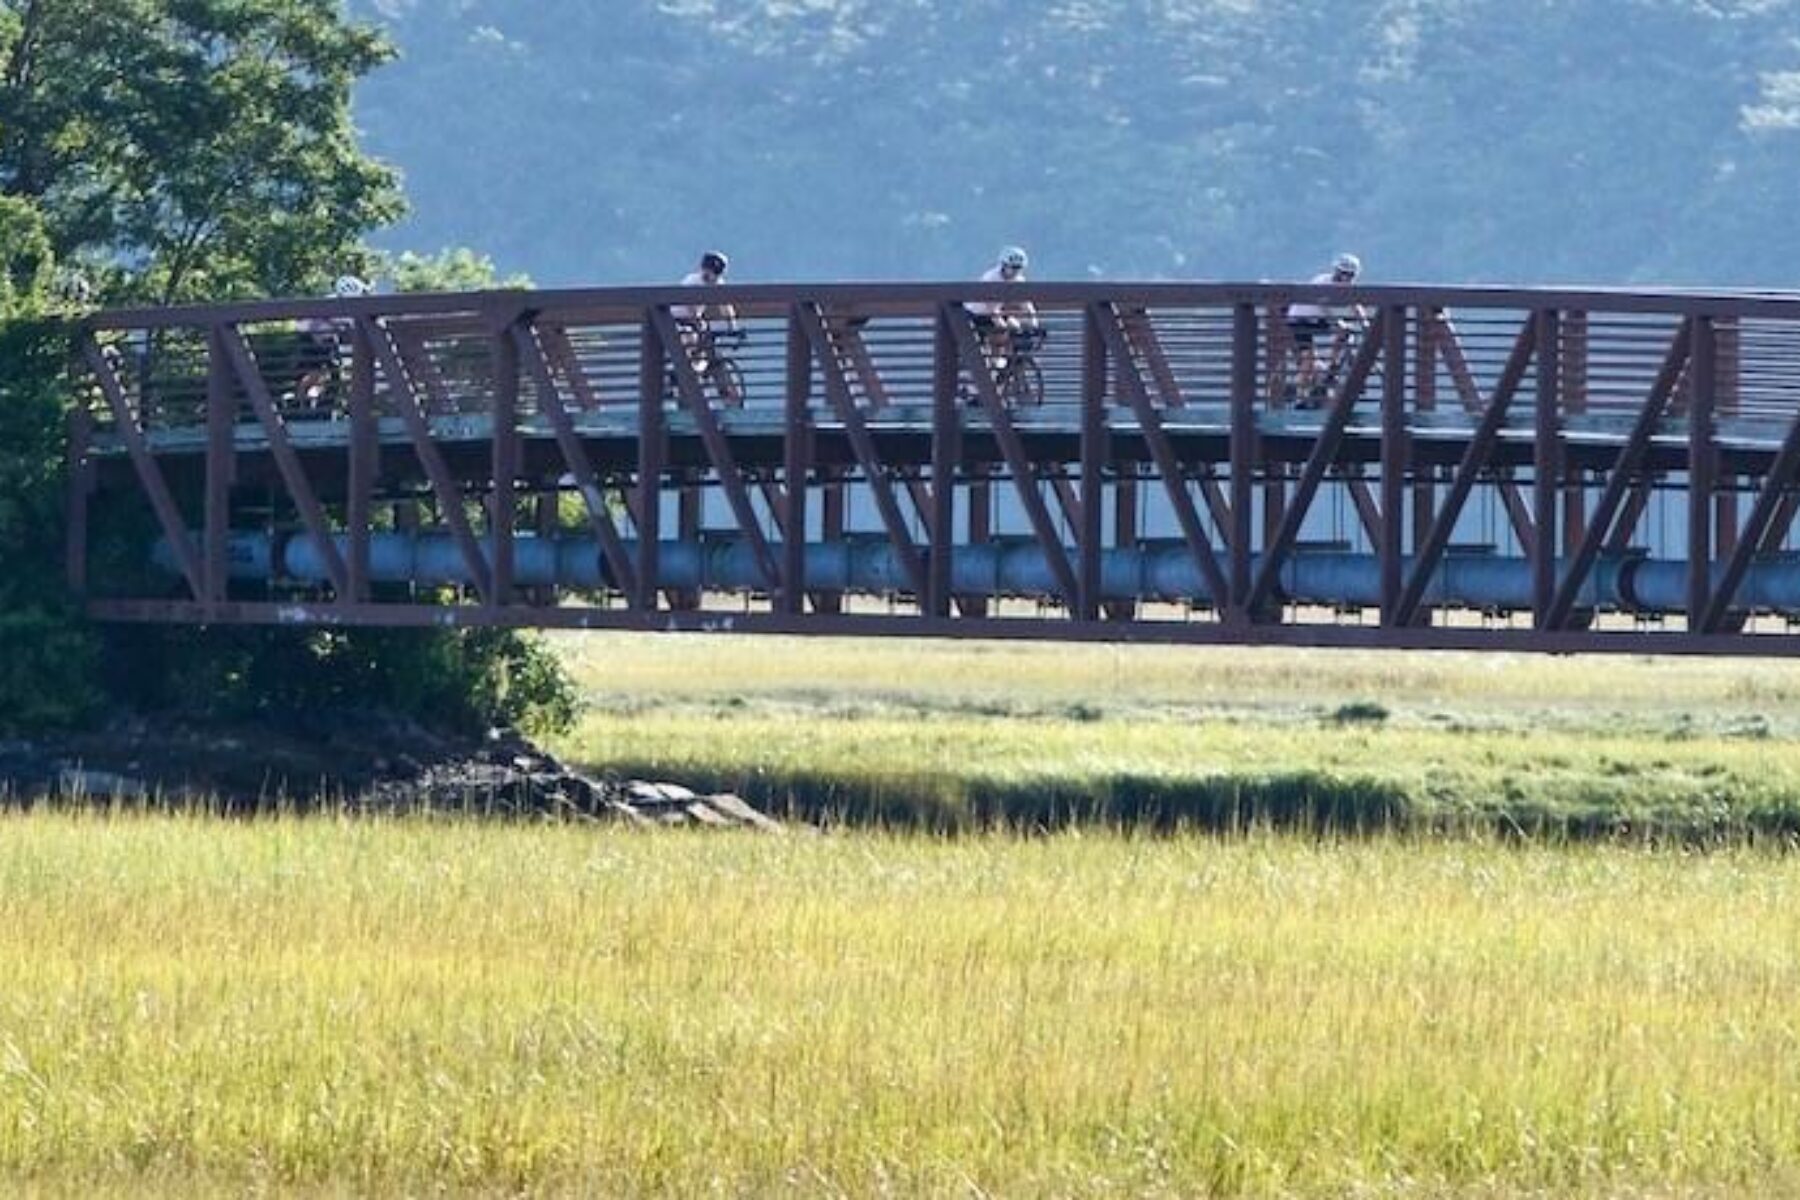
1159	570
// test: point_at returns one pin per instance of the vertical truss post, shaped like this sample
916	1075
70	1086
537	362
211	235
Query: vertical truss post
1725	513
1425	336
1093	452
1394	460
80	483
946	452
1243	452
796	458
1702	470
1573	355
981	522
364	464
221	464
1274	502
1546	468
652	456
1125	509
689	518
502	503
831	530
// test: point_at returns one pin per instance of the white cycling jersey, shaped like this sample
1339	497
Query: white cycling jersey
703	314
691	312
1317	312
992	308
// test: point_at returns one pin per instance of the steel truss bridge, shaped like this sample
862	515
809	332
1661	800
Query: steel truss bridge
1510	469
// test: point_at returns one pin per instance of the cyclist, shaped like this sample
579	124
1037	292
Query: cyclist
1005	326
696	320
697	323
1306	322
321	343
994	319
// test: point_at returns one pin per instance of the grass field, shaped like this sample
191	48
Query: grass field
374	1005
335	1005
952	732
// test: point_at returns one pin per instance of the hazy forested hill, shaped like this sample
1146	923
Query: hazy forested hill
1560	140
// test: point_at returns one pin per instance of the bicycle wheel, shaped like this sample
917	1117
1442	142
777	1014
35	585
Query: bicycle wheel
1023	383
729	378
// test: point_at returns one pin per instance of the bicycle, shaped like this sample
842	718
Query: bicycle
1346	335
319	356
1017	376
711	354
1012	356
1311	393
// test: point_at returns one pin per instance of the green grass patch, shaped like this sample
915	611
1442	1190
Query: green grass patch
949	735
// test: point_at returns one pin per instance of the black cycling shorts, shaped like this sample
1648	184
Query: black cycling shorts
1305	329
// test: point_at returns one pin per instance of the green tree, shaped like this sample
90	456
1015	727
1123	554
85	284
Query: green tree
190	149
454	269
167	150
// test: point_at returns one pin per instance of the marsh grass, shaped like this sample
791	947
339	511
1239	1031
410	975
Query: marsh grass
949	735
408	1005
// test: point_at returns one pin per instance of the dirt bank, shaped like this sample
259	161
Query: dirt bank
370	761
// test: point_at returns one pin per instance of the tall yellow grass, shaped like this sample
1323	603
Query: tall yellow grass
378	1005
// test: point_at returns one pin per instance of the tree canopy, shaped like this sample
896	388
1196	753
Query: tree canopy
185	149
169	150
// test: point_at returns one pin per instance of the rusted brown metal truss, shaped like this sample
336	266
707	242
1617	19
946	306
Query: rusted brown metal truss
872	459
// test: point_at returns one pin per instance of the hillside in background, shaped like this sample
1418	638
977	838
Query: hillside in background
1607	141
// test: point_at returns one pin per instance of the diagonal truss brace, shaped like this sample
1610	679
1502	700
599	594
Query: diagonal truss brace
1447	348
418	428
287	462
1025	479
1475	456
575	457
1168	464
1619	479
718	447
1770	515
1331	437
863	445
149	474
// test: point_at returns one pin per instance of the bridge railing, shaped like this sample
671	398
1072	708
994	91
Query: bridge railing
1181	339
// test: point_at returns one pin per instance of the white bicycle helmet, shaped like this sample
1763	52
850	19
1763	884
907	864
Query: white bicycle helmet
348	287
1014	257
1347	264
